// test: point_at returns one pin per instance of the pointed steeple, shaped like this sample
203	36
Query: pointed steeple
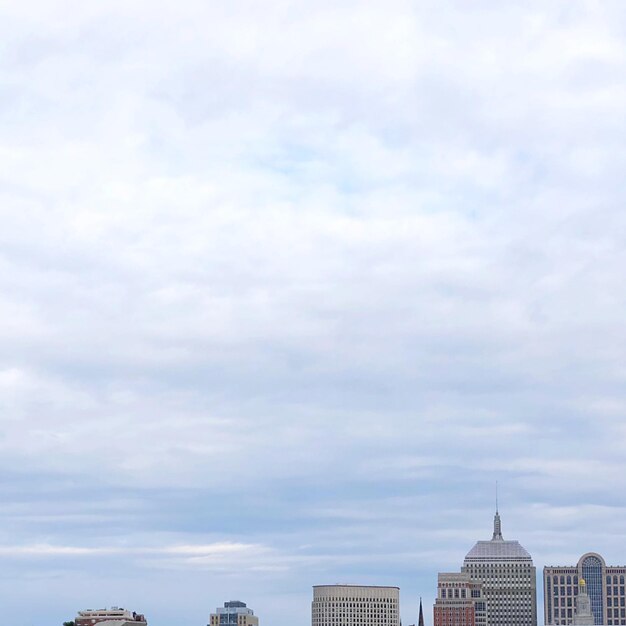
421	617
497	524
497	528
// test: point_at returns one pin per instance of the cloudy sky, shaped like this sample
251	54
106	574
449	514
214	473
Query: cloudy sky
285	286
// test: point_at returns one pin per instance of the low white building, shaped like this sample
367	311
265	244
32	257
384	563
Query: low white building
114	616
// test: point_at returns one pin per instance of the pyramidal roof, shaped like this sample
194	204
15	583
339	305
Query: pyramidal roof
497	549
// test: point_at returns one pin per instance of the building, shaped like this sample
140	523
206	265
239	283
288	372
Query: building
459	601
604	586
582	612
355	605
508	577
233	613
114	616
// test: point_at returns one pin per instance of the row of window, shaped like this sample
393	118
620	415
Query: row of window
459	593
616	591
565	591
341	620
568	580
619	593
564	580
355	610
369	609
343	609
355	601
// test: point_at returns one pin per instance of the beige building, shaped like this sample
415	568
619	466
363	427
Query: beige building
459	601
605	587
234	613
114	616
355	605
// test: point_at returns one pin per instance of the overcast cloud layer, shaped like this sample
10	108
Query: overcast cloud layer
285	287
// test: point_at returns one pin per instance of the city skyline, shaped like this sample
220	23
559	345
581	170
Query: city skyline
480	587
286	286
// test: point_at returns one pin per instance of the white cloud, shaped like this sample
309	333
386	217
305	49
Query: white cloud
296	274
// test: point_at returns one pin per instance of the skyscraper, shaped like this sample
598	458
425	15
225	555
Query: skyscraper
234	613
604	585
355	605
508	577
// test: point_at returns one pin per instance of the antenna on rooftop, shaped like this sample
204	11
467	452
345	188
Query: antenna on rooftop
496	496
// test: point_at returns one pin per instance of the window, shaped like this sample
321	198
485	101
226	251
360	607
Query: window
592	573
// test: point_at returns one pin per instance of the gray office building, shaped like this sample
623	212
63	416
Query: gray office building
508	577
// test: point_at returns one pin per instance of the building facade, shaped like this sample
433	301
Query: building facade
355	605
605	586
234	613
508	577
114	616
459	601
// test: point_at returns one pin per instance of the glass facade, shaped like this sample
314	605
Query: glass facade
592	573
233	613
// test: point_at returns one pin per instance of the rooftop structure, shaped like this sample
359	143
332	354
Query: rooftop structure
233	613
115	616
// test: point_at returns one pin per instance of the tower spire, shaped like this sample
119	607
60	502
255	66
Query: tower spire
421	617
497	524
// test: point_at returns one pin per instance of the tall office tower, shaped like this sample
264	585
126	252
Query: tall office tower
459	601
354	605
508	576
604	584
234	613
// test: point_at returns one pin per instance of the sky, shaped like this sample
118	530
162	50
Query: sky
286	286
